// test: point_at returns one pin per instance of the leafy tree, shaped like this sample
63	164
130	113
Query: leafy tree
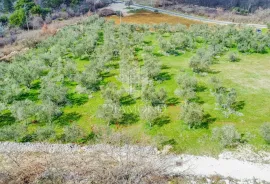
227	135
265	132
2	107
192	114
187	86
18	18
111	112
45	133
12	132
9	91
154	97
72	133
90	78
56	93
216	83
47	111
111	93
151	67
129	73
150	114
201	61
23	110
226	100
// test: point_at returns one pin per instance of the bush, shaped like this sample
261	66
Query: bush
233	57
18	18
13	132
265	132
72	134
45	133
4	20
192	114
227	135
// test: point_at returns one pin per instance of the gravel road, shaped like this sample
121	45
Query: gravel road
120	6
226	165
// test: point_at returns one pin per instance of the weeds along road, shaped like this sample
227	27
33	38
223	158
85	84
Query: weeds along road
182	15
224	165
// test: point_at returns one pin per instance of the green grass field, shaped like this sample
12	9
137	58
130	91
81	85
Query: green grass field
250	77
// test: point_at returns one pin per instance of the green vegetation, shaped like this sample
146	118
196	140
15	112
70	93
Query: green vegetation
164	84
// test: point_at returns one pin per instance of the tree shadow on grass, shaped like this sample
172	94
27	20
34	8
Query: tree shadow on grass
158	54
129	119
197	100
172	101
165	67
200	88
213	72
31	95
163	76
239	105
127	100
68	118
163	120
77	99
6	119
207	119
107	75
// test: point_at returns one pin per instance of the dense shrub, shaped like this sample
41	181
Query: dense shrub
233	57
265	132
192	114
72	133
45	133
12	132
227	135
18	18
4	20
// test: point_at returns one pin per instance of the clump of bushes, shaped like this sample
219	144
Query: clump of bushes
72	134
227	135
12	132
233	57
265	132
45	133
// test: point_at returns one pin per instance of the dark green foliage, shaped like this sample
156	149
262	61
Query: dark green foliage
7	5
18	18
4	20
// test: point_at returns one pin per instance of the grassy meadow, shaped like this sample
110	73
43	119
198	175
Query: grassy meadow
250	77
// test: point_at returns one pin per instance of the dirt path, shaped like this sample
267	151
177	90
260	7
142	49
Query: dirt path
120	6
225	166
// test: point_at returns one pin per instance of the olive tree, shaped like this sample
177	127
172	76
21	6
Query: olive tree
53	92
151	67
153	96
129	74
90	78
201	61
150	113
110	93
47	111
226	101
110	112
186	86
192	114
227	135
23	110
